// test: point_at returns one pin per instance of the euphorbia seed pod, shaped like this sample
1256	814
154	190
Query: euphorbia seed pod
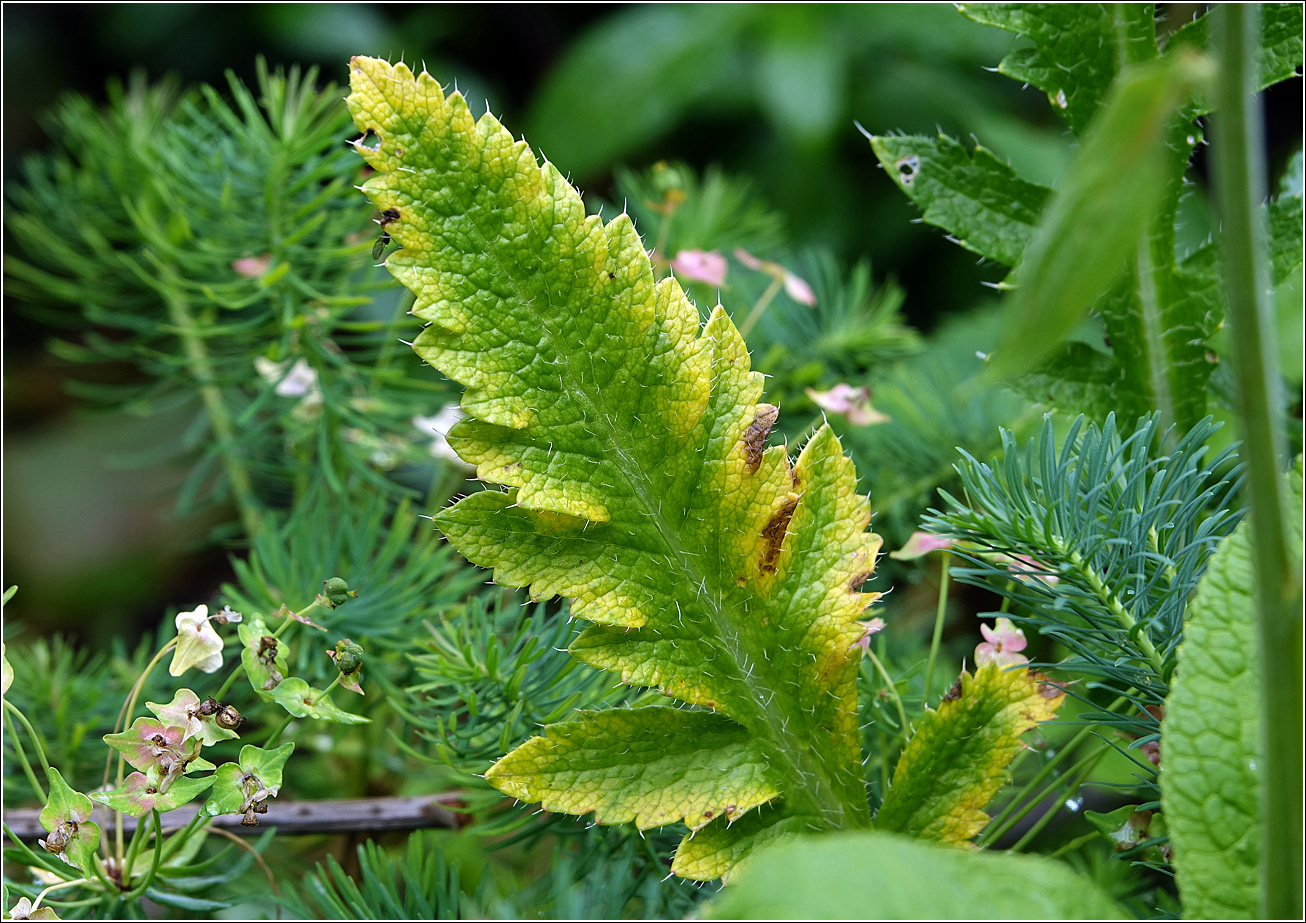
337	591
348	657
228	718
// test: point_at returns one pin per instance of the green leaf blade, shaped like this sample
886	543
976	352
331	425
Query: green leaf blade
1210	789
631	443
1098	37
973	196
1094	227
653	766
859	876
957	760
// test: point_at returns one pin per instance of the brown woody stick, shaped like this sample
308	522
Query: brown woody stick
344	815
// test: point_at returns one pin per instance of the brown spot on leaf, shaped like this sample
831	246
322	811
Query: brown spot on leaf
709	814
774	535
740	581
855	584
389	215
755	436
955	692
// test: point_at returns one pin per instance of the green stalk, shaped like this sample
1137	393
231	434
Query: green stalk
148	878
891	689
937	638
1239	190
1004	820
1076	776
201	368
22	755
760	308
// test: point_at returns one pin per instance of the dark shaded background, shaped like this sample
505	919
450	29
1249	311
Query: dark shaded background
768	91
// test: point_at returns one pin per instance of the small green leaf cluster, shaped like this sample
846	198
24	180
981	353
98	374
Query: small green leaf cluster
169	770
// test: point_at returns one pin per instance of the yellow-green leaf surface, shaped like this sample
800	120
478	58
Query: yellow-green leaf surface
1209	738
958	758
630	446
700	765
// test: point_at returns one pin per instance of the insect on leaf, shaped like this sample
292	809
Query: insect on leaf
630	449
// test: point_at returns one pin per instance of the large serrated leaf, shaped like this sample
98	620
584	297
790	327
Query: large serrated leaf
632	448
975	197
1281	42
1098	37
958	758
1210	786
884	876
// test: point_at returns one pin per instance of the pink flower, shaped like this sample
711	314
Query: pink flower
874	626
1028	569
795	287
701	266
853	403
252	267
1001	642
919	545
799	291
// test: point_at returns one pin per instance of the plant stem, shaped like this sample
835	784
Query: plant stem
1076	774
201	368
1240	189
325	692
1004	821
937	638
22	755
56	887
148	878
892	689
760	308
124	718
276	735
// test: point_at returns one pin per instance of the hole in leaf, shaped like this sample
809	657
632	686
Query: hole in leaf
371	140
908	167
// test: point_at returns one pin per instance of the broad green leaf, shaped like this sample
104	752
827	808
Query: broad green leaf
1281	43
1077	377
303	701
1098	37
957	760
869	876
1285	227
1210	787
631	448
253	779
139	794
66	818
264	657
1094	226
654	766
975	197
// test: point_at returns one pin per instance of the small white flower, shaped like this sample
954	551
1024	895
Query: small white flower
301	380
440	424
198	645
